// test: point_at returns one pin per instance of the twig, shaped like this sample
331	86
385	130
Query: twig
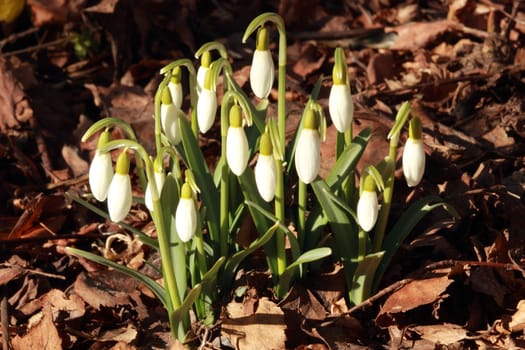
16	36
330	320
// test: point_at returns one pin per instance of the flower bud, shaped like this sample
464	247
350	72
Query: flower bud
119	194
237	150
169	117
186	214
159	177
175	87
203	70
206	106
265	169
101	170
308	149
367	206
262	70
414	154
340	103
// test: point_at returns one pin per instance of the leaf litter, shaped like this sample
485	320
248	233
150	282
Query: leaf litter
452	284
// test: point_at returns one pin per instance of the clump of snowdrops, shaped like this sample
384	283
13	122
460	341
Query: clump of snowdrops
197	213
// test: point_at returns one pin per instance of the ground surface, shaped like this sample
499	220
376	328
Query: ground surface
455	284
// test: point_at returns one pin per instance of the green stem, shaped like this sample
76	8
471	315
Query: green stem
224	183
301	217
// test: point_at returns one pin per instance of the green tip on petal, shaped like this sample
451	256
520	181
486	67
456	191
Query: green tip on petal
122	166
415	129
310	120
176	75
263	39
235	116
266	147
370	184
104	138
186	191
166	96
206	59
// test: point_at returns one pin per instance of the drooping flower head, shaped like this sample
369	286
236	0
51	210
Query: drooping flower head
159	177
414	154
262	70
340	103
308	150
265	169
206	104
101	169
119	194
186	214
237	150
203	69
367	206
175	87
169	117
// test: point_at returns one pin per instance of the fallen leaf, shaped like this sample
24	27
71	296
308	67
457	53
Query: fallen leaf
262	330
42	333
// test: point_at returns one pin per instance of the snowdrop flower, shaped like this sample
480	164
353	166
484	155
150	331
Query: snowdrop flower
169	117
206	106
340	103
237	151
159	177
307	153
101	170
265	169
367	206
202	70
262	69
119	194
175	87
186	214
414	154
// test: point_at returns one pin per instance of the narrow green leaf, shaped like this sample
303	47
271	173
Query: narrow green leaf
401	118
404	227
209	280
307	257
182	311
364	276
149	282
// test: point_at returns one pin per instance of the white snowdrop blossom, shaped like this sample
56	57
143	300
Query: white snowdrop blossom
203	70
119	194
341	107
175	88
367	210
169	119
308	150
237	150
265	169
206	109
159	178
262	72
340	103
186	214
414	154
101	170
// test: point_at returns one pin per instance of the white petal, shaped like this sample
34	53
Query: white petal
266	176
176	93
201	76
367	210
119	197
169	119
413	161
308	156
341	107
206	109
100	175
186	219
262	73
159	181
237	151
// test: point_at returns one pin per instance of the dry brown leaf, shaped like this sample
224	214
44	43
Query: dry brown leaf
445	334
262	330
414	294
42	333
14	106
